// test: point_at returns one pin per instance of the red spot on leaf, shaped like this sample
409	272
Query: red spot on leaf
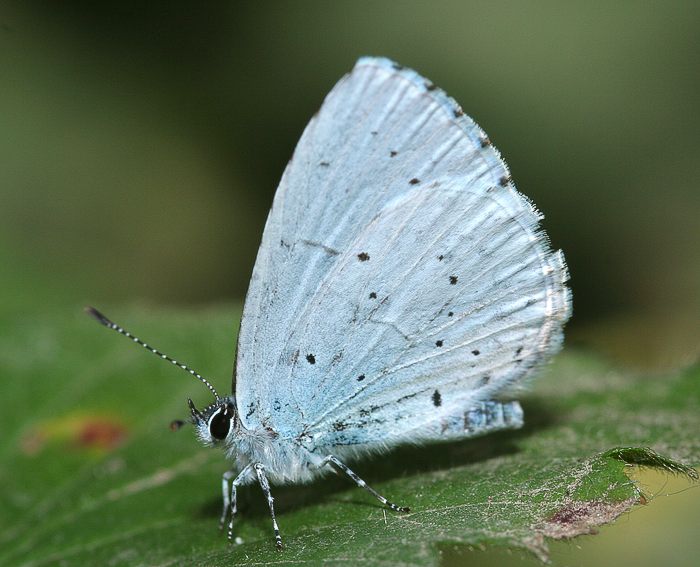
101	434
86	432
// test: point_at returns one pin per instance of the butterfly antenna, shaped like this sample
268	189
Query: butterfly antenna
100	318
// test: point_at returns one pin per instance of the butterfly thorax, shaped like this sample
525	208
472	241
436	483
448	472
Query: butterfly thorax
285	458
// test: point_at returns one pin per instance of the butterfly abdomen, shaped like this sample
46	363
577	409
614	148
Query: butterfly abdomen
483	417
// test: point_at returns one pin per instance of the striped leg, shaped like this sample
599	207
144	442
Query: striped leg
262	479
230	501
330	459
226	491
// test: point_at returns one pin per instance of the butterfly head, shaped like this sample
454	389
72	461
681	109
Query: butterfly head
216	422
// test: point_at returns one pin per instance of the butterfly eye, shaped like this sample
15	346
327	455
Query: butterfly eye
220	423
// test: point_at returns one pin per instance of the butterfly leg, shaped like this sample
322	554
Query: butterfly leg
242	478
265	485
330	459
226	490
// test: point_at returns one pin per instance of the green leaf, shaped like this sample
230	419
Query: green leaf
91	473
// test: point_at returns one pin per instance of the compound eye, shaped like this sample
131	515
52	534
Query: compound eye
219	424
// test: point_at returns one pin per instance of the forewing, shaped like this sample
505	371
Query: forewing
397	260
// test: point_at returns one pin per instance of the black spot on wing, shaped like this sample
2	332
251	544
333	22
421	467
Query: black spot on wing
476	352
311	359
393	153
324	164
414	181
453	280
361	377
363	256
450	314
251	409
437	399
441	257
438	343
372	295
364	412
505	180
458	112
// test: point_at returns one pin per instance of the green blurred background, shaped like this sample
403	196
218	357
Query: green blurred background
141	145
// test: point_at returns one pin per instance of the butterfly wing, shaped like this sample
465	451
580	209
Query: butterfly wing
401	277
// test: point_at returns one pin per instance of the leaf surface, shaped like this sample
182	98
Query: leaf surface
92	475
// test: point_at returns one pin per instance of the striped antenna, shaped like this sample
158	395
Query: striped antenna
100	318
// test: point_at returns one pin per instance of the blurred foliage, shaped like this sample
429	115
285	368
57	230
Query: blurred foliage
92	475
142	143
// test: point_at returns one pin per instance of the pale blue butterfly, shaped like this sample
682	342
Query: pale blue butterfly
401	287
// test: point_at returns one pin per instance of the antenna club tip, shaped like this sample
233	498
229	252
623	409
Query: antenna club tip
99	317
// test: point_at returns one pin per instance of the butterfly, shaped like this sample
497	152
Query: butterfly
402	287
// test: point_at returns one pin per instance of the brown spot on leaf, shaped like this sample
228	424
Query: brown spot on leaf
87	432
101	434
582	517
